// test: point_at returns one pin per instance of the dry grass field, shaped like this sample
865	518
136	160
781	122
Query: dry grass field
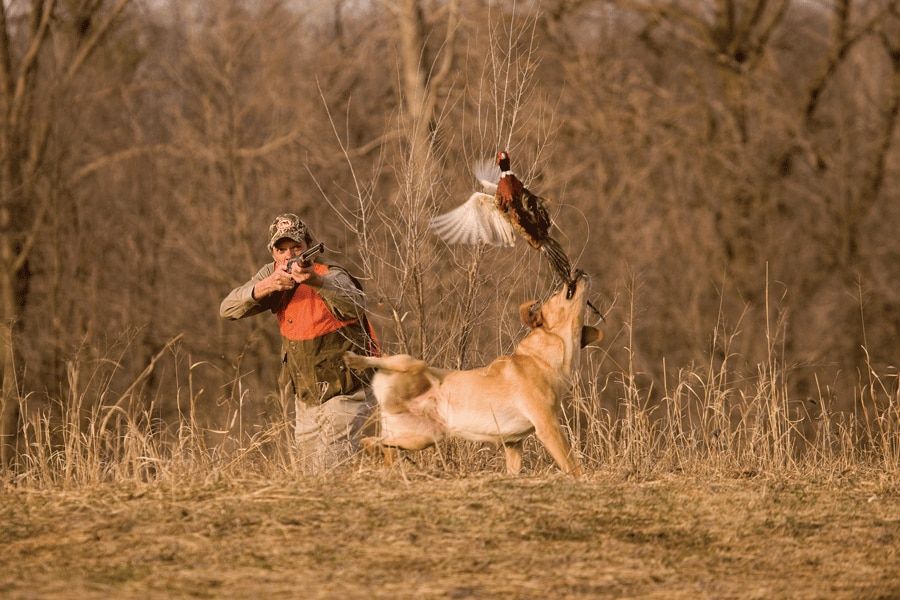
409	533
726	172
715	492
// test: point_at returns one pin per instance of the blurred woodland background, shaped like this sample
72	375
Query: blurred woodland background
726	170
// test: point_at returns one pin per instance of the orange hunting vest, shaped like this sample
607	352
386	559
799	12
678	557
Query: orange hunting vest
306	316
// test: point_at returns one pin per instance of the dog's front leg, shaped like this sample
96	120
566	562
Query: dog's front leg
553	439
513	451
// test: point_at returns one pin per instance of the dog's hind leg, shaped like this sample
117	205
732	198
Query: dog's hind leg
513	451
553	439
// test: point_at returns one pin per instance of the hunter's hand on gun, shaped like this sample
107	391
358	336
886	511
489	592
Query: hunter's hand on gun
300	266
290	271
304	275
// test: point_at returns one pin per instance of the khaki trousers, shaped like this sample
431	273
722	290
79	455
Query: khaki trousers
328	434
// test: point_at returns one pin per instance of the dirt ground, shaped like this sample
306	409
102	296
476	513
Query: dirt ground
381	535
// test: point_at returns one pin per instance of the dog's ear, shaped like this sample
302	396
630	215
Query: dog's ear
530	313
590	335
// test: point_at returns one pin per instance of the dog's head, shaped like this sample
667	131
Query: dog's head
562	315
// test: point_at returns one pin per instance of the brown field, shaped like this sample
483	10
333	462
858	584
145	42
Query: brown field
389	534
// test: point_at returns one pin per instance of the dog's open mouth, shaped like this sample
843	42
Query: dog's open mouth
572	284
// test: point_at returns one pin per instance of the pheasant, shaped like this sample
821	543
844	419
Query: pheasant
494	220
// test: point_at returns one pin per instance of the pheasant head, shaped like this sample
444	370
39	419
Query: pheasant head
503	161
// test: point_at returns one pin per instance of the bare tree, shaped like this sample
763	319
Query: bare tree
32	82
701	154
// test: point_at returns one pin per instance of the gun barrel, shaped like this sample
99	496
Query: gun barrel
305	258
313	250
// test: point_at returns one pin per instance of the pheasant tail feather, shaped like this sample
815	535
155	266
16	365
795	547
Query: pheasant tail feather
558	259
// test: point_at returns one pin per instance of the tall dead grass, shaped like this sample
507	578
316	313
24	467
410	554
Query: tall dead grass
706	421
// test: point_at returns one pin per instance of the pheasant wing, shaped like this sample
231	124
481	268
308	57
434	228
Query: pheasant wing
474	222
488	174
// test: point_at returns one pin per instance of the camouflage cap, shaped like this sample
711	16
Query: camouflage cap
288	226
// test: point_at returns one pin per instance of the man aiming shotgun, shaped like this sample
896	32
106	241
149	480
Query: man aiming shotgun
320	310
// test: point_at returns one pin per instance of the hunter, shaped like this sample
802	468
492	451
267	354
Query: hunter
320	309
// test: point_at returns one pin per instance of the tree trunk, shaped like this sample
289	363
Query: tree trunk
9	398
415	93
423	78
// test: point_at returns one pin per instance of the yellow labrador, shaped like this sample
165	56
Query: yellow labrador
501	402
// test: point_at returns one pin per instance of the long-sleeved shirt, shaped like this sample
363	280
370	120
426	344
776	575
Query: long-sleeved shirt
314	366
338	291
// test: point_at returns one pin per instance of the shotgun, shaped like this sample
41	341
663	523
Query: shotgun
305	259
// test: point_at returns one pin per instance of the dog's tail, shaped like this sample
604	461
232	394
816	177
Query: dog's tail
397	363
357	361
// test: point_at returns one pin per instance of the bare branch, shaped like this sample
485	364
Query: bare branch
29	63
6	78
36	223
842	42
876	176
97	35
447	55
118	157
269	147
